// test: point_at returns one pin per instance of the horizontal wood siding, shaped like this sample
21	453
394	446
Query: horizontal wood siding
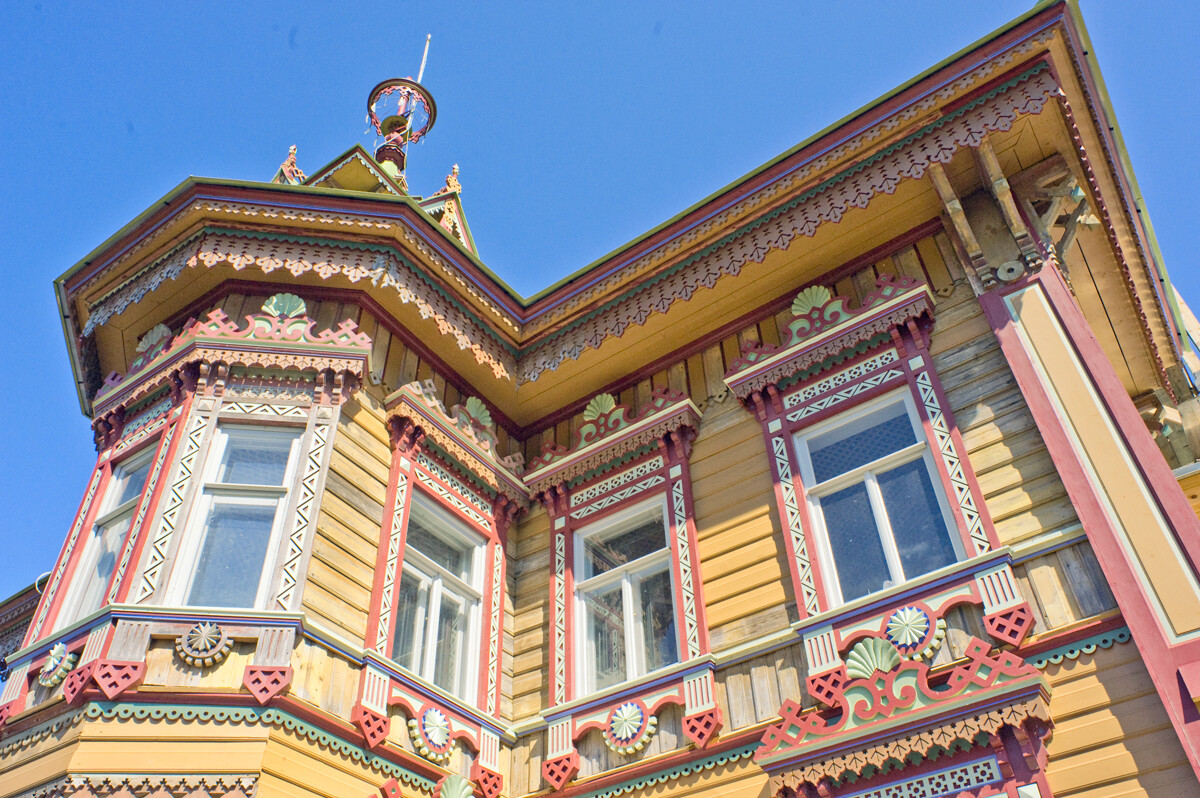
530	541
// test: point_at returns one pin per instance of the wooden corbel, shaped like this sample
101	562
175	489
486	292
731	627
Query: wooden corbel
505	511
678	444
555	499
406	437
989	169
977	266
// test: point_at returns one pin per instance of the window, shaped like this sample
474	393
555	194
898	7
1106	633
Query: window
625	607
438	607
879	515
237	519
102	548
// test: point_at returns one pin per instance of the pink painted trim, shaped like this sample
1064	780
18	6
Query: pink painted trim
387	531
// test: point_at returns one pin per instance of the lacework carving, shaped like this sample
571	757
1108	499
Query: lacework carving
152	413
844	394
814	389
619	496
453	499
174	504
156	785
304	516
607	433
393	556
791	506
494	628
435	468
828	202
135	289
691	624
72	538
949	781
140	516
265	409
954	467
823	328
560	616
616	481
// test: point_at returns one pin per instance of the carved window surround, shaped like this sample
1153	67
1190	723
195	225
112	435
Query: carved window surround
616	461
832	359
451	457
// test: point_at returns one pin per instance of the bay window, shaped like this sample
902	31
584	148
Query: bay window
438	604
625	608
237	519
878	509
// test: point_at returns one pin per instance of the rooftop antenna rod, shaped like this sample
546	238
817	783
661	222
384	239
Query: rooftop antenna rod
424	57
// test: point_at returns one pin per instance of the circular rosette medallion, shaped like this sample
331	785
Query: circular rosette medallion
913	633
204	645
58	664
430	732
629	727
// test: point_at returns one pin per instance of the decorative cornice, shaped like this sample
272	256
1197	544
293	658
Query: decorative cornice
824	326
466	434
608	432
103	785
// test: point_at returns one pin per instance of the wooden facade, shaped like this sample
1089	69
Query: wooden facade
873	474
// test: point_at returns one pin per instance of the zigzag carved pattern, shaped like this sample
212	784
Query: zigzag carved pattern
72	538
691	624
614	482
619	496
560	617
795	527
843	395
453	498
494	630
308	495
147	495
389	573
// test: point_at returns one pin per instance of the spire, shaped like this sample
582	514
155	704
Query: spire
408	113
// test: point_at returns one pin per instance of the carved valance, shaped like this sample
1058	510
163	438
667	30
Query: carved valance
825	330
465	435
609	433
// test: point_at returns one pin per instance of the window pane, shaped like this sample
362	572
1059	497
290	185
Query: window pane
854	539
230	564
132	484
605	635
916	518
256	457
860	442
412	608
604	552
658	621
455	556
448	672
95	568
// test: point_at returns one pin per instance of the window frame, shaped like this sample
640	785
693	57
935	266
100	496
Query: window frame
207	491
625	574
106	514
867	474
468	666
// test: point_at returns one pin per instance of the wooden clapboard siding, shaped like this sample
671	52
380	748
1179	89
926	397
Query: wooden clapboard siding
752	691
530	540
526	765
340	577
165	669
325	679
595	757
1112	736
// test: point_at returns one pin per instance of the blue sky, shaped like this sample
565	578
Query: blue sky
577	126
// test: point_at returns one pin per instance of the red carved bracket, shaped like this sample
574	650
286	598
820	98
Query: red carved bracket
703	726
266	681
1010	625
827	687
374	727
76	681
558	771
490	782
389	789
5	712
114	678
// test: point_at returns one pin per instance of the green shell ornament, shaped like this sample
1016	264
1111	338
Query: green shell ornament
870	655
285	306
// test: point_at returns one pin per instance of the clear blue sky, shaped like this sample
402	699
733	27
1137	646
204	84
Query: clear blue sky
577	126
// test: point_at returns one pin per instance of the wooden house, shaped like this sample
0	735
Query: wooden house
870	475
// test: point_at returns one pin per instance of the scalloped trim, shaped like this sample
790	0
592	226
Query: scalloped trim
1087	645
663	776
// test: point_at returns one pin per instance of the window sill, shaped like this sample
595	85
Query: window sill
631	688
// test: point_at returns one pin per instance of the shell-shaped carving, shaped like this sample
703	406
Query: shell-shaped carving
600	404
455	786
812	297
870	655
153	336
477	410
285	306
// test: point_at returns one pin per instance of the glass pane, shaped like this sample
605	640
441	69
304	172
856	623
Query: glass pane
230	564
96	568
132	484
658	621
255	457
605	634
448	672
860	442
412	608
916	518
854	539
604	552
455	556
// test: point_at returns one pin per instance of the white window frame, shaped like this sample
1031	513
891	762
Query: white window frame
866	474
211	490
108	514
454	531
635	654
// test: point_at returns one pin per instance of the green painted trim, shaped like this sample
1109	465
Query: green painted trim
1087	645
108	710
679	771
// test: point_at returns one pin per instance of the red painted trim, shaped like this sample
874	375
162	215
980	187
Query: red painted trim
387	530
693	547
1162	659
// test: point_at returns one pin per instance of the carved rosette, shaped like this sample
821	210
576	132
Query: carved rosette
629	727
430	733
58	664
204	645
914	634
